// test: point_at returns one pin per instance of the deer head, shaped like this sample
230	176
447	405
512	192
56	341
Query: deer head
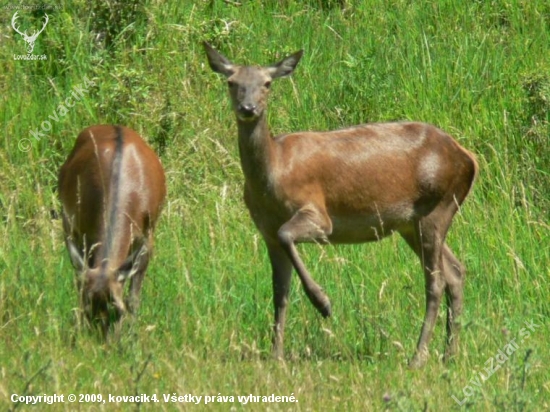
102	285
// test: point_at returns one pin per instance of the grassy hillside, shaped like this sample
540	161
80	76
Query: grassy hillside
479	70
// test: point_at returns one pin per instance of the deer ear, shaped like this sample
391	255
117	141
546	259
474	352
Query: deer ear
285	66
218	62
135	263
76	255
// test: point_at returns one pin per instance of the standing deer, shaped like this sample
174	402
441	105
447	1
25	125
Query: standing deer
112	188
352	185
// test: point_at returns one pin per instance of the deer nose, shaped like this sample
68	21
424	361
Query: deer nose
247	109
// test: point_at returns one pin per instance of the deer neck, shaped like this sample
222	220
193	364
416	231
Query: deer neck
256	148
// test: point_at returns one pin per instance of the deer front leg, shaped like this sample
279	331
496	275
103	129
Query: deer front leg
307	225
135	284
282	271
139	261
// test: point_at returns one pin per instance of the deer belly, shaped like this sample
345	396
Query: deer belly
370	223
359	229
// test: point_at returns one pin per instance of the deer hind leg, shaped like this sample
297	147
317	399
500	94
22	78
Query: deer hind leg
454	278
427	242
307	225
282	271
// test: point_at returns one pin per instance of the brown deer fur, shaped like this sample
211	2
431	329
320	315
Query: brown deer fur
112	187
352	185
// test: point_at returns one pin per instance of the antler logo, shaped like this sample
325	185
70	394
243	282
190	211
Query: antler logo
32	38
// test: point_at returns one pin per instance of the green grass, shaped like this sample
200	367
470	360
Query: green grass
479	70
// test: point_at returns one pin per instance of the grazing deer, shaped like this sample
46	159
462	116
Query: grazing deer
352	185
112	188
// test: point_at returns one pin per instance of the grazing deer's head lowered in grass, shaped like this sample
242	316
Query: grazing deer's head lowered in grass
112	188
352	185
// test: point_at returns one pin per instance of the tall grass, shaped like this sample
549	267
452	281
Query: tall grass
479	70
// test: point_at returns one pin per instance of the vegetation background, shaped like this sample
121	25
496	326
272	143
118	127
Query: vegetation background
478	69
